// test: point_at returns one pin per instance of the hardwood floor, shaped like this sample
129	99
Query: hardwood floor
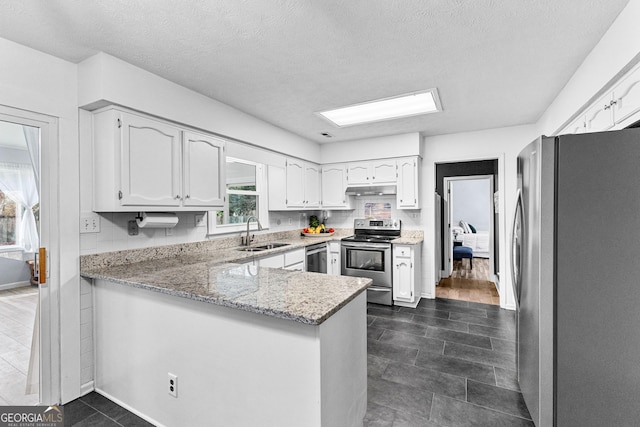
469	284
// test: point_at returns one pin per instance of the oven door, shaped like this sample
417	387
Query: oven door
373	261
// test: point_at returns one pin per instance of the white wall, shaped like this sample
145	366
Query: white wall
503	144
35	82
104	79
471	202
407	144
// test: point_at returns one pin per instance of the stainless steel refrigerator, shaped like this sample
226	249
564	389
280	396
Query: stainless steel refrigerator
576	275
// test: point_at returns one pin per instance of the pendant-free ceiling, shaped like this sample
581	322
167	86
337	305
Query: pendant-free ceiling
396	107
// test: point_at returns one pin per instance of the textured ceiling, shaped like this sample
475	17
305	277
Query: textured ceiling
495	62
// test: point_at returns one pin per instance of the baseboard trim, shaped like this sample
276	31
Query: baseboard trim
14	285
86	388
129	408
407	304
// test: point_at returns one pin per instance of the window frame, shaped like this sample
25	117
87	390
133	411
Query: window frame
262	203
18	220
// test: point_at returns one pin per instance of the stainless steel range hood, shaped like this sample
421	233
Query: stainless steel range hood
371	190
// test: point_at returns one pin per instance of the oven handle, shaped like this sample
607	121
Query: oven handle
371	288
367	246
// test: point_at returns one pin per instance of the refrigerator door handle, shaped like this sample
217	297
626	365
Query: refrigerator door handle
516	248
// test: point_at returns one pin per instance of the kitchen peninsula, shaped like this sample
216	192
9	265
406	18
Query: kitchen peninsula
249	345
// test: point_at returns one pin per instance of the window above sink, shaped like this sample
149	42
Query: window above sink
245	197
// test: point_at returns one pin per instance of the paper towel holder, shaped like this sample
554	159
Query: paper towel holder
156	220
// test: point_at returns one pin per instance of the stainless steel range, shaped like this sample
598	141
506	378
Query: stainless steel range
368	254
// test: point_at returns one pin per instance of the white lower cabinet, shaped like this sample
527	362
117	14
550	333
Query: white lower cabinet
292	260
274	261
333	259
406	274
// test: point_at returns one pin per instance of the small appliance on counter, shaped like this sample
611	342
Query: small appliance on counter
368	254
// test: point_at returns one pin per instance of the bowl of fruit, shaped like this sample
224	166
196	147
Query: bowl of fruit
316	229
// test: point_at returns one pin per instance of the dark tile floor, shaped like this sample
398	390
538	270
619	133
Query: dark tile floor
96	410
445	363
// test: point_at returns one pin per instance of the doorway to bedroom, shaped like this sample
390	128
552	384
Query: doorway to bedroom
468	267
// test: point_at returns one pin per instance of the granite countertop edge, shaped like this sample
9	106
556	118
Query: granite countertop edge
308	320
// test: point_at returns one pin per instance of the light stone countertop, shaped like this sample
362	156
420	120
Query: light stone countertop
209	271
309	298
205	271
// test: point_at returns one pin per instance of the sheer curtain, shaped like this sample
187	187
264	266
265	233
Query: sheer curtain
32	138
19	184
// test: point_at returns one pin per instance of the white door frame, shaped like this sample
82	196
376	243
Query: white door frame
430	288
49	293
448	217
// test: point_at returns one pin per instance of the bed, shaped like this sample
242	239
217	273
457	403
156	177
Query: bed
478	241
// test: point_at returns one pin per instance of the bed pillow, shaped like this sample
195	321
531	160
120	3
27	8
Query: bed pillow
465	226
473	229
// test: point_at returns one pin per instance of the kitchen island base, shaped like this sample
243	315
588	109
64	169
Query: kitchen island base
233	367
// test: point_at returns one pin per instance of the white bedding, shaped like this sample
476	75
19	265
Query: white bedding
478	241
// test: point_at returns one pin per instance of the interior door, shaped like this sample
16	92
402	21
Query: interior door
448	245
39	352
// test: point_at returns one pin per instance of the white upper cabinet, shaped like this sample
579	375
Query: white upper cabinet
579	125
626	97
334	186
372	172
295	170
312	185
407	196
599	117
359	173
150	166
383	171
145	164
616	109
203	183
302	184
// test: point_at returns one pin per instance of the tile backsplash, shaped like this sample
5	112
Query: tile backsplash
113	235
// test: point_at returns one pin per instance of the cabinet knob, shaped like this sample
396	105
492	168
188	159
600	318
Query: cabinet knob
187	196
177	197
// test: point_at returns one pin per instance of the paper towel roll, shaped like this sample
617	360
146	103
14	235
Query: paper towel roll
157	220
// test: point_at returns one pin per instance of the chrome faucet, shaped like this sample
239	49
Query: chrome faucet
246	240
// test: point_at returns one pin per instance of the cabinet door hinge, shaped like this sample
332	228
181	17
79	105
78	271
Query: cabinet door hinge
119	123
120	195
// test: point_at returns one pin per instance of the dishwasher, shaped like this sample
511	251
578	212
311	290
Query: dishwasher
317	258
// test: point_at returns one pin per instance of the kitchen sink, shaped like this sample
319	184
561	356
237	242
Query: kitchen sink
272	246
263	247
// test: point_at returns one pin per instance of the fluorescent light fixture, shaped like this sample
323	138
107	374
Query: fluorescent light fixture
412	104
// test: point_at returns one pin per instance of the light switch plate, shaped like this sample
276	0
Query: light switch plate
200	221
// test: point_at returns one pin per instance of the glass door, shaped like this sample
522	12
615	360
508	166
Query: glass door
20	296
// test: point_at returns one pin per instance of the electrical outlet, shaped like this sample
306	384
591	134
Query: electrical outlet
89	223
172	383
290	221
168	231
200	222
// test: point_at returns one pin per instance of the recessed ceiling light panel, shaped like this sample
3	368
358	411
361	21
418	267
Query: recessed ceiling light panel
396	107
